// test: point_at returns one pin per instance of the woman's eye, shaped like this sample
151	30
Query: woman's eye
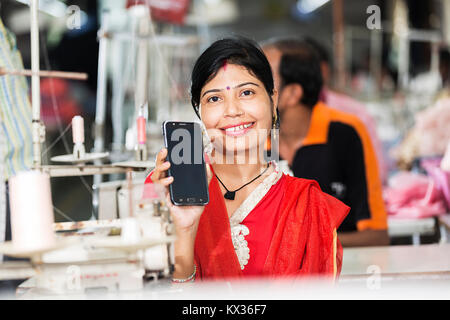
247	93
213	99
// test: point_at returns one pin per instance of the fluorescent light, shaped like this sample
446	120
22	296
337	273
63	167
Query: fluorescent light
308	6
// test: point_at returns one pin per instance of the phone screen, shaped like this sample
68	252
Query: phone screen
184	144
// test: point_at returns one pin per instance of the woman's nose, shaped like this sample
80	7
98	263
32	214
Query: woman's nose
233	108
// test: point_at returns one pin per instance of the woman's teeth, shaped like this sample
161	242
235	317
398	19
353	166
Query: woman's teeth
237	128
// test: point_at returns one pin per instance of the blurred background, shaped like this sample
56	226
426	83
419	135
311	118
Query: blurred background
390	55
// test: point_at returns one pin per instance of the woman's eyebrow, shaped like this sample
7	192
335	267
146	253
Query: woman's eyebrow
244	84
235	87
212	90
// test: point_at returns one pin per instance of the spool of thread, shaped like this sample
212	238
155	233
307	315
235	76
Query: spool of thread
130	233
155	258
31	211
78	129
141	130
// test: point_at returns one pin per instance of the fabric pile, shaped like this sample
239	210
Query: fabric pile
429	137
417	195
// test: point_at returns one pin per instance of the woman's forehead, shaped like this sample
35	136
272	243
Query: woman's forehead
230	75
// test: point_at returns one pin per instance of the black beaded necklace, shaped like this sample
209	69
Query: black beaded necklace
231	194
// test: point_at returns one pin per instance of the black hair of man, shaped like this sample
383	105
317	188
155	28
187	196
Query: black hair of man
300	64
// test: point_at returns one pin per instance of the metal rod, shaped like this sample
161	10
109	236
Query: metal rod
129	175
35	82
118	96
167	40
101	88
100	110
141	93
83	170
49	74
339	38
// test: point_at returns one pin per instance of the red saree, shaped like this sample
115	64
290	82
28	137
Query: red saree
292	233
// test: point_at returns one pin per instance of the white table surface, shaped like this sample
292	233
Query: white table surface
397	259
391	260
408	227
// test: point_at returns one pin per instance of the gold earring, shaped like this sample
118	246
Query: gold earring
275	120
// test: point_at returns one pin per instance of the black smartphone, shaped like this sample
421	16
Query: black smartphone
184	144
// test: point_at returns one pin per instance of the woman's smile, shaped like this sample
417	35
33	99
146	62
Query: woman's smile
239	129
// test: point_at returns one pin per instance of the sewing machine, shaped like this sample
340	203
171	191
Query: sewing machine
102	256
131	243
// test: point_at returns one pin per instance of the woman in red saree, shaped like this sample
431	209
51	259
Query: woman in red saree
272	224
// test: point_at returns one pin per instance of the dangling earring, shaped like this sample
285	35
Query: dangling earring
273	151
273	136
276	120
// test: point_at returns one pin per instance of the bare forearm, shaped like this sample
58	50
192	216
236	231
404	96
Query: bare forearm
184	255
364	238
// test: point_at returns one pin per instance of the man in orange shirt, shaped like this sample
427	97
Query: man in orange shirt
327	145
340	101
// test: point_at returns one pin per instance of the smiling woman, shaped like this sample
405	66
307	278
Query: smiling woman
233	94
238	119
259	222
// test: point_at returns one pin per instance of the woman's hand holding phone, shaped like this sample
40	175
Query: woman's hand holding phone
186	218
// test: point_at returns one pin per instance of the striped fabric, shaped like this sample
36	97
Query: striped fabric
15	110
3	194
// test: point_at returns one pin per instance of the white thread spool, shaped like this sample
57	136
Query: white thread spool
155	258
78	137
78	129
131	233
31	211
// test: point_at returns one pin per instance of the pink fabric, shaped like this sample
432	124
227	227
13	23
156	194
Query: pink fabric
347	104
440	177
413	195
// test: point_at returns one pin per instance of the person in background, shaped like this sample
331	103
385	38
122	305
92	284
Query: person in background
15	131
327	145
343	102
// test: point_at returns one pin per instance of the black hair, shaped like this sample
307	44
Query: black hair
300	64
444	65
237	50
